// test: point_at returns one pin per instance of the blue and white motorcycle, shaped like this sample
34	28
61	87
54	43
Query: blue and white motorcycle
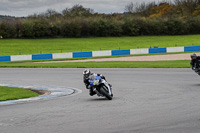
101	87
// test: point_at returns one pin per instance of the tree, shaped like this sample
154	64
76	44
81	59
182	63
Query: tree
162	10
129	8
188	6
197	11
51	13
142	9
77	11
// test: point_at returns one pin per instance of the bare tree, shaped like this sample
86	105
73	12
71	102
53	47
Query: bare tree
51	12
142	9
129	8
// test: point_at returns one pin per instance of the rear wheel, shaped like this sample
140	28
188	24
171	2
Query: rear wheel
104	91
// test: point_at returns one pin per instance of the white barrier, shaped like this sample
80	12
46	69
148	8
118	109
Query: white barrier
101	53
62	55
175	49
20	57
139	51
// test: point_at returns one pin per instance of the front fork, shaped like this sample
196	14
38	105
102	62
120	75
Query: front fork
109	89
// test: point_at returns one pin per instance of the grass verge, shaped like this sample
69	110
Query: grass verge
103	64
13	93
44	46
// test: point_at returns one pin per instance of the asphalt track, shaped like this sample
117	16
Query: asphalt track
145	101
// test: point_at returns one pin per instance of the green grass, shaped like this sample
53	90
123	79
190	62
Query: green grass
44	46
103	64
12	93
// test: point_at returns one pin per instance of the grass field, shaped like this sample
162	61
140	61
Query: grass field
104	64
12	93
44	46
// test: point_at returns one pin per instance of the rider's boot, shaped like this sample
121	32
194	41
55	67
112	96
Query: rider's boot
92	92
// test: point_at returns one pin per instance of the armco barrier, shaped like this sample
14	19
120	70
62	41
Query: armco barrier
139	51
120	52
191	48
82	54
41	56
4	58
99	53
62	55
175	49
20	57
157	50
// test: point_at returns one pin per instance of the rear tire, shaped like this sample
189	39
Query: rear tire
103	90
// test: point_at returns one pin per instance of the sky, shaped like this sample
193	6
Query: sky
23	8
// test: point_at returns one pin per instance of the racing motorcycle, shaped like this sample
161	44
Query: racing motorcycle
101	87
196	69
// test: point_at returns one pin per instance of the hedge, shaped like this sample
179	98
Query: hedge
103	27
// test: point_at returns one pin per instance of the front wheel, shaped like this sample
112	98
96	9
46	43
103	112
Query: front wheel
104	91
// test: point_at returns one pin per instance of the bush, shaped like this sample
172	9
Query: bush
103	27
115	28
174	27
193	25
54	30
71	29
131	27
27	29
99	26
8	30
40	28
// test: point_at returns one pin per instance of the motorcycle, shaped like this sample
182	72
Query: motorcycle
196	69
101	87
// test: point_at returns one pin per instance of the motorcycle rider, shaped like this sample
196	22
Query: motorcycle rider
87	75
195	60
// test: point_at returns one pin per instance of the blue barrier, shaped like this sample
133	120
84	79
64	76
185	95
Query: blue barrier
82	54
121	52
4	58
113	52
191	48
157	50
41	56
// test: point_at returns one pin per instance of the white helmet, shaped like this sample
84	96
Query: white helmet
86	73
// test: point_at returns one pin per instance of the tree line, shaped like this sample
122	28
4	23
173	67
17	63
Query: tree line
180	17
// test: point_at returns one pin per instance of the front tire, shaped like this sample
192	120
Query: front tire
103	90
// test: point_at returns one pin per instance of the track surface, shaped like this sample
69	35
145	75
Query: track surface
145	101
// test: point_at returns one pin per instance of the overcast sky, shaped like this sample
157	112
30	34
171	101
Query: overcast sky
21	8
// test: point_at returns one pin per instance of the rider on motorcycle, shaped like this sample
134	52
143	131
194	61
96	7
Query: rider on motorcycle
87	75
195	60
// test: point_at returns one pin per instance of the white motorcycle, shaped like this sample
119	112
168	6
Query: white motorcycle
101	87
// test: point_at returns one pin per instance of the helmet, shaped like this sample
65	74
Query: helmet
86	73
193	55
